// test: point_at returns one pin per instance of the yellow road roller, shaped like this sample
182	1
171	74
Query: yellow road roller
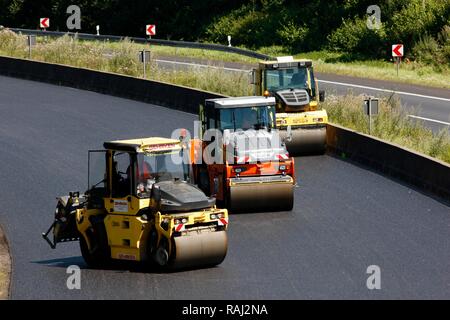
244	163
141	205
293	84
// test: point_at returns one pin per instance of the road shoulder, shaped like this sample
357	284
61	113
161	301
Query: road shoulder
5	267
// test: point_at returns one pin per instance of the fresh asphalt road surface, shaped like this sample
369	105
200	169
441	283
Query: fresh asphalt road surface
345	219
432	105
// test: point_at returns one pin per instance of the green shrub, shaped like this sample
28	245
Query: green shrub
353	36
291	35
250	26
444	38
243	25
418	18
426	50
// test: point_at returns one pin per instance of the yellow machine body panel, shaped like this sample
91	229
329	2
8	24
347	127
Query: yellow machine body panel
146	144
129	205
294	120
126	236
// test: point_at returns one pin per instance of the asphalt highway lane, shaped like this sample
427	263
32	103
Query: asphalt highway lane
434	113
345	218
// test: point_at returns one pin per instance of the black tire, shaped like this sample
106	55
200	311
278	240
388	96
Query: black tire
94	259
151	249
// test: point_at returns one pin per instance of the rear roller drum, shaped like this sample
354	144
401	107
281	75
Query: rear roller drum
261	197
306	141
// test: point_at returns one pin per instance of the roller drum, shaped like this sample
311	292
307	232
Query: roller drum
262	196
199	249
306	140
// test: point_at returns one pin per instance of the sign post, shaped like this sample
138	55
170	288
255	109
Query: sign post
44	23
397	53
370	108
144	56
31	41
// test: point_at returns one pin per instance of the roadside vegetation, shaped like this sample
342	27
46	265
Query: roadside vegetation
391	124
120	57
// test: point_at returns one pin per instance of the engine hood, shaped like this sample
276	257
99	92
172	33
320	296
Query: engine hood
296	99
256	145
182	196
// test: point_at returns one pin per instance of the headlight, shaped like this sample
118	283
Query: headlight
181	220
215	216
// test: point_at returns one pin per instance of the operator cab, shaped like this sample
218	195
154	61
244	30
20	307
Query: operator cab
247	126
288	75
130	168
243	113
292	81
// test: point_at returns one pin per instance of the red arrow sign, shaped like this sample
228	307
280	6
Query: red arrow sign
150	29
397	50
44	22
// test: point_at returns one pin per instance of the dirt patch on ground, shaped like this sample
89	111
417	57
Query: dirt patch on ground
5	267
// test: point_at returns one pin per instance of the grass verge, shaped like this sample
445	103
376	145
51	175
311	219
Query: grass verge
324	61
5	267
121	57
391	124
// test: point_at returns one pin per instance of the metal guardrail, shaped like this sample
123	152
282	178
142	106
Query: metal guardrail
162	42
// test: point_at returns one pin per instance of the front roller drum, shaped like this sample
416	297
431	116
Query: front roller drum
262	196
309	140
199	249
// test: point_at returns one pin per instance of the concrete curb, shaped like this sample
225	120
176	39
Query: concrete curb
5	267
417	169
